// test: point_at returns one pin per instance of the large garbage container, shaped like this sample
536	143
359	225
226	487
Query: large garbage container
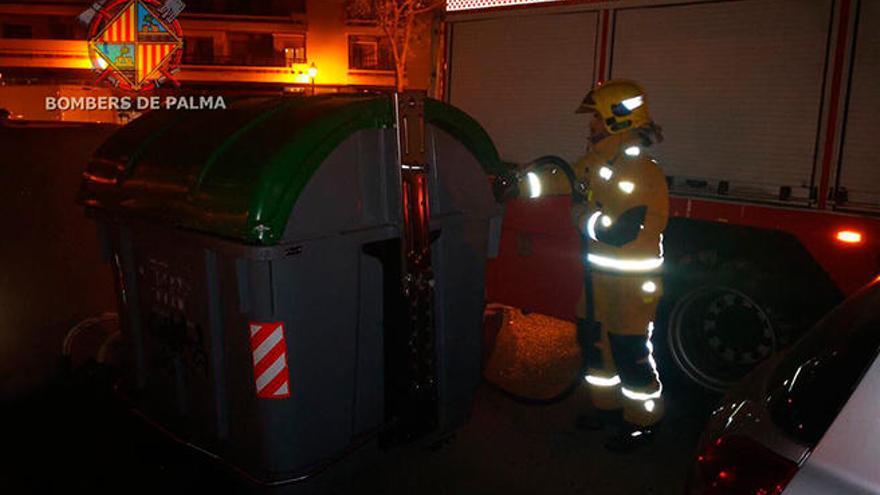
256	251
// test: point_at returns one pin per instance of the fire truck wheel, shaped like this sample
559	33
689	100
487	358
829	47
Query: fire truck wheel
717	334
732	296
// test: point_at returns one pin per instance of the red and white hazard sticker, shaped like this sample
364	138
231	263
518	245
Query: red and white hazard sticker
269	351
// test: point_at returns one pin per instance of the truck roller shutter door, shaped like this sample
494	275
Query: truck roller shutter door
736	86
860	168
522	77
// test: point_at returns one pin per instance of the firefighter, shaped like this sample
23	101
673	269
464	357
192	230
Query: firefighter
622	223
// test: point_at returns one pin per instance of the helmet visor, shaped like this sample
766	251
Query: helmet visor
627	106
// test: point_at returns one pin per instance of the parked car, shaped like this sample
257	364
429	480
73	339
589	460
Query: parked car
806	421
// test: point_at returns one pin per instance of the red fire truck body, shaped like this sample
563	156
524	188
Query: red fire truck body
769	112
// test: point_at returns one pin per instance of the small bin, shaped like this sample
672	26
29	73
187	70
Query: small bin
256	256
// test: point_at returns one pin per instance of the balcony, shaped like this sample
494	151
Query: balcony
54	54
261	8
277	60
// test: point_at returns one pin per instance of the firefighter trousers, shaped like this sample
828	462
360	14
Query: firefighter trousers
617	348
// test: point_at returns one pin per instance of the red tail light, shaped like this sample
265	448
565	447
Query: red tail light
737	465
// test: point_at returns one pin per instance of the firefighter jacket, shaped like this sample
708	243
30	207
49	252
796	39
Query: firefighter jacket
627	205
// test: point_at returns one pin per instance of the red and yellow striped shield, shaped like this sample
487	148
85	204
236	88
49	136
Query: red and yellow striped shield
135	44
151	56
124	28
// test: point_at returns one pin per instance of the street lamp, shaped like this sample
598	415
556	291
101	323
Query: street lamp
313	72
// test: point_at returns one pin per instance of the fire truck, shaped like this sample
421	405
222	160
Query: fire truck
769	112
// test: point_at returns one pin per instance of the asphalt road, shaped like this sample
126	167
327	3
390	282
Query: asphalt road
513	448
72	440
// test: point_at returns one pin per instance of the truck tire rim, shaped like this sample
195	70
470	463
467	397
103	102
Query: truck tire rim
718	334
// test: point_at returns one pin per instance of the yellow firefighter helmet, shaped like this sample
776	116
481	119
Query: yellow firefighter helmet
621	103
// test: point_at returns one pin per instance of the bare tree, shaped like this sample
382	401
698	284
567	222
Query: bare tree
399	20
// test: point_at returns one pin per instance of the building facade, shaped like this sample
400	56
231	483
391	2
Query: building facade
233	45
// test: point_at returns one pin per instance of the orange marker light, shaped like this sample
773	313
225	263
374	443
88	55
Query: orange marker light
850	237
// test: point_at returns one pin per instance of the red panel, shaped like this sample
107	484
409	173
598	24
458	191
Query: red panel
850	266
539	267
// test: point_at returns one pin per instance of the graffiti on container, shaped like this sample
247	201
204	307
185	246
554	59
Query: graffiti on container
168	290
178	338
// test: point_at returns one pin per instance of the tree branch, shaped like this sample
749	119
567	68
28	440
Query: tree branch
432	6
397	19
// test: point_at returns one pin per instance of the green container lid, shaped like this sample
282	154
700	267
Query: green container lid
238	172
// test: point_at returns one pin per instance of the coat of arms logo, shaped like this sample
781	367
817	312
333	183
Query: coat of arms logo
136	44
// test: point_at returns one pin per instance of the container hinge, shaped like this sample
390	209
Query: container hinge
418	413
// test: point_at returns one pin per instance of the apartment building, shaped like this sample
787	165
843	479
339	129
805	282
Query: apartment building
229	45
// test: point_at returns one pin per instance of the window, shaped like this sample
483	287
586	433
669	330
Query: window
293	50
369	53
283	8
17	31
360	12
59	30
252	49
198	50
247	49
200	6
814	380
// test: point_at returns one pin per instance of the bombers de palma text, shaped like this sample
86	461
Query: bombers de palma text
138	103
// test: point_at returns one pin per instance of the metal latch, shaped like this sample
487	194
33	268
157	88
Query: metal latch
411	130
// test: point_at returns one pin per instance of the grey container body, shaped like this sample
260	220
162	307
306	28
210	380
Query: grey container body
187	300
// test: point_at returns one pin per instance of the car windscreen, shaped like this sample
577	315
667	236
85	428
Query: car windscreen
813	381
